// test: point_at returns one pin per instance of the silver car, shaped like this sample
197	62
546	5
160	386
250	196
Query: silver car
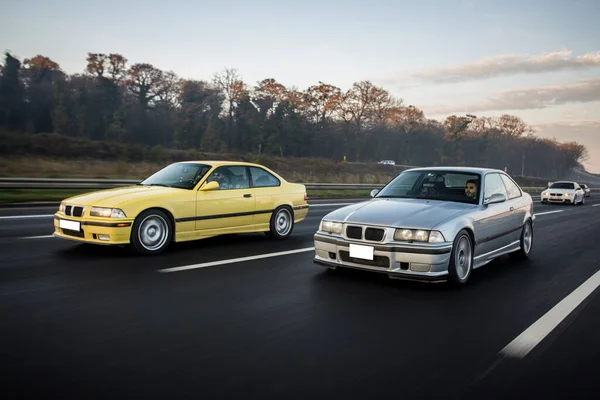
433	224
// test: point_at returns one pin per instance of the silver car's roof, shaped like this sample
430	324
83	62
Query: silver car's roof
475	170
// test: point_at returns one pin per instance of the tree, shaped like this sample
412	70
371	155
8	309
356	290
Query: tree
12	95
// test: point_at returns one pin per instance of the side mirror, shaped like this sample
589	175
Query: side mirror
495	198
374	192
214	185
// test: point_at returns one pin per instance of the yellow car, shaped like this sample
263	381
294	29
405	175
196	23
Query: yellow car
185	201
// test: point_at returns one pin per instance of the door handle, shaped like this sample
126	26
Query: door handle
247	195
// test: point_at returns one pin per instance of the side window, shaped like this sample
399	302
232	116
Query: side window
494	184
512	189
261	178
234	177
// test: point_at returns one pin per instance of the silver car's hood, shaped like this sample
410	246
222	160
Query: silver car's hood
400	213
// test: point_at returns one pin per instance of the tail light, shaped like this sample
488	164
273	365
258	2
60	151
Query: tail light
305	197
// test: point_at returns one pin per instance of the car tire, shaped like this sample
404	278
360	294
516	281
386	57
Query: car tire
526	242
461	259
281	224
152	232
583	200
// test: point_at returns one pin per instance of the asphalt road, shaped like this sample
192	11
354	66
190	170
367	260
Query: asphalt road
95	322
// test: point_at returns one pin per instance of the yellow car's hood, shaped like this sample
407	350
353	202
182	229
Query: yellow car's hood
115	197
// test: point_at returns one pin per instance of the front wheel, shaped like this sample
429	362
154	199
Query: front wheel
151	232
461	259
282	223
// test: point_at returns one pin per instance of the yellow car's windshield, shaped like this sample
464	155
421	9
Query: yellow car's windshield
180	175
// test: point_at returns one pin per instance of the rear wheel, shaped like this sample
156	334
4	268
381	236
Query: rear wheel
282	223
461	259
526	242
151	232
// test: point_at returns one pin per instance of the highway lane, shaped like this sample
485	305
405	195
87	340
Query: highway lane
34	222
87	320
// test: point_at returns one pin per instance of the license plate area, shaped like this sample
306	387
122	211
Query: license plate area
69	225
362	252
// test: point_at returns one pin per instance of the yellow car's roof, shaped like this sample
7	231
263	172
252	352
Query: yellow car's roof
220	162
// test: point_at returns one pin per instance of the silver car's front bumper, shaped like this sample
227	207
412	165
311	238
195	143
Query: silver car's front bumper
428	262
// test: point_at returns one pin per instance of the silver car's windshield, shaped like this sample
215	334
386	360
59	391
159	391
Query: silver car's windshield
181	175
462	187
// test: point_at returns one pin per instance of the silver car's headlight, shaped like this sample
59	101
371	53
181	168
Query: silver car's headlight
418	235
107	212
331	227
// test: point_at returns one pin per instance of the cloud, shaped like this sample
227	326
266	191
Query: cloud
582	91
503	65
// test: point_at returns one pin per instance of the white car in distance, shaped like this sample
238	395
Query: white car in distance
387	162
564	192
586	189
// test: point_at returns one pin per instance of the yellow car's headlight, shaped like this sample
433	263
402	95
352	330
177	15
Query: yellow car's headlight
331	227
62	206
107	212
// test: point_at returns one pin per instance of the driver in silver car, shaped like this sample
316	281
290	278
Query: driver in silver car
471	189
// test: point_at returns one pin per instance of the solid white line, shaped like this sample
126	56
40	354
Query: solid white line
595	205
549	212
533	335
27	216
37	237
236	260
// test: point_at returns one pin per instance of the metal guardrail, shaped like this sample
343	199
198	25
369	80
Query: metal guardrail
63	183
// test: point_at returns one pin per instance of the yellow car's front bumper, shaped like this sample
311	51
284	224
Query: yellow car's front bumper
96	231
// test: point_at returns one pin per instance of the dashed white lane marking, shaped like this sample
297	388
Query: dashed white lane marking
549	212
533	335
27	216
38	237
236	260
595	205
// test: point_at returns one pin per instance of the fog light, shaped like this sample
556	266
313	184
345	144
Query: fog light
104	237
419	267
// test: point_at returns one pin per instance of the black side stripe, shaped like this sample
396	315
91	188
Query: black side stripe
498	236
232	215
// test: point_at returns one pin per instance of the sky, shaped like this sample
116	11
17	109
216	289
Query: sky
537	59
